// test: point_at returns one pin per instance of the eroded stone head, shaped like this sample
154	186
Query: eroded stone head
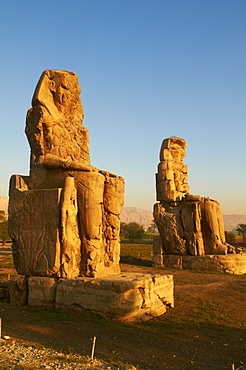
173	148
54	123
56	91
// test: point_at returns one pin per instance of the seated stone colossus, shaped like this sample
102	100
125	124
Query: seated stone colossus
188	224
64	217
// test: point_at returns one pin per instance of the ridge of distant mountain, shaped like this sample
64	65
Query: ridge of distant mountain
231	221
145	217
134	214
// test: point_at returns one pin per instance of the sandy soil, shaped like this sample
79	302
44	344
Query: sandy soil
205	330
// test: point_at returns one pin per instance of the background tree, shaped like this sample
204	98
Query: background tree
152	228
123	230
230	237
241	229
132	231
4	235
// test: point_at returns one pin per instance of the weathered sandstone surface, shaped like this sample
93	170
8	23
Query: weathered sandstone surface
230	263
188	224
64	217
127	296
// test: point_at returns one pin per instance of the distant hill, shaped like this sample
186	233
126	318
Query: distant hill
145	217
4	204
134	214
231	221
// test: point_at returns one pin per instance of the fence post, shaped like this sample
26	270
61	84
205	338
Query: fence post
93	347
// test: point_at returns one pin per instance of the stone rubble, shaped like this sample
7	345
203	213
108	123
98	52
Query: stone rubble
17	355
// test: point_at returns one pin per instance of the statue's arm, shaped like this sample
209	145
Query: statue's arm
53	161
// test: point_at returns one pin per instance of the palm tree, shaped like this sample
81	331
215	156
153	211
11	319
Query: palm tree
241	229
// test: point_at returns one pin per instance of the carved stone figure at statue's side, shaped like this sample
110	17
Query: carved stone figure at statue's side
64	216
188	224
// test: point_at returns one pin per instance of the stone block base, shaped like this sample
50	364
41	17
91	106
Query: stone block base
42	292
17	292
230	263
128	296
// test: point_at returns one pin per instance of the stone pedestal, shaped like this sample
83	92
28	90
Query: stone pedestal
131	297
125	297
42	292
230	263
17	292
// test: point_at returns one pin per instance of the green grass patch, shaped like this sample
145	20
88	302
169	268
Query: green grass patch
143	251
45	315
204	311
6	261
67	317
184	325
201	313
7	276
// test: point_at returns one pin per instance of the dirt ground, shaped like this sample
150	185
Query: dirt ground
205	330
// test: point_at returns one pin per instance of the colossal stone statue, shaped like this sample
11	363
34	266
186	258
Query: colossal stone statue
188	224
64	217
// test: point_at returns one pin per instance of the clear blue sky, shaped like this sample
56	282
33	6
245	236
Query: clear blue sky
148	70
